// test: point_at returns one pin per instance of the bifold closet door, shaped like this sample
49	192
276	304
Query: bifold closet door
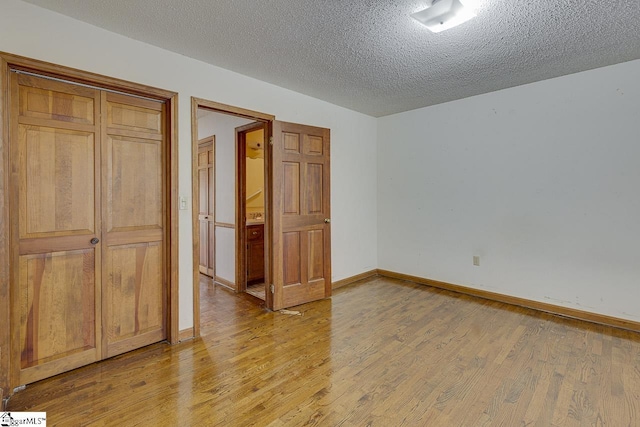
88	198
134	294
55	211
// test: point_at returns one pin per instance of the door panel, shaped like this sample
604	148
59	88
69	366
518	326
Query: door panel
292	258
134	183
56	101
291	188
301	228
134	301
59	323
57	282
316	255
57	182
315	179
132	295
143	117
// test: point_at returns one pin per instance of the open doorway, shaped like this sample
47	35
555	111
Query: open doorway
251	142
295	215
220	198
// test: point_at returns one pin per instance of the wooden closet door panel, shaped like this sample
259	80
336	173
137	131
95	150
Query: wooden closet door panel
57	323
55	150
134	196
134	186
61	102
135	314
56	181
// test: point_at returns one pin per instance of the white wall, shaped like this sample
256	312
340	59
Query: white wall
541	181
37	33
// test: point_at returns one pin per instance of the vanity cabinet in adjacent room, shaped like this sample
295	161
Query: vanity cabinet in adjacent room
255	252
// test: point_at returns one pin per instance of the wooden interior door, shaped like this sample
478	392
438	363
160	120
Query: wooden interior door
134	199
55	211
206	205
301	267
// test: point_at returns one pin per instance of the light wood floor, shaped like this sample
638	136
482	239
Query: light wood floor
379	353
257	290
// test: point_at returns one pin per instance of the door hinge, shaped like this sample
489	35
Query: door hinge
273	288
270	140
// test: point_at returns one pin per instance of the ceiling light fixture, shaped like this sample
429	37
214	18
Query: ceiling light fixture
441	15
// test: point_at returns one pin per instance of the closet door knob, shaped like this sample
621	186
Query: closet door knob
95	241
327	220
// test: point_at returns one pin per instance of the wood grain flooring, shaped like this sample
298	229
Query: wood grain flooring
257	290
381	352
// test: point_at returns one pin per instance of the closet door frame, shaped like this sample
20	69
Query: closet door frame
9	62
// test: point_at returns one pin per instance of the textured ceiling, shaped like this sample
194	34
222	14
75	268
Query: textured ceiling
371	56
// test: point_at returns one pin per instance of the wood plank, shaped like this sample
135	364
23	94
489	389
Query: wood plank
383	352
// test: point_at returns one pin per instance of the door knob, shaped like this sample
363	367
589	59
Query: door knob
327	220
94	241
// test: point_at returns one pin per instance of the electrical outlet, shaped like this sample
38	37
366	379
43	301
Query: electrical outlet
476	260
